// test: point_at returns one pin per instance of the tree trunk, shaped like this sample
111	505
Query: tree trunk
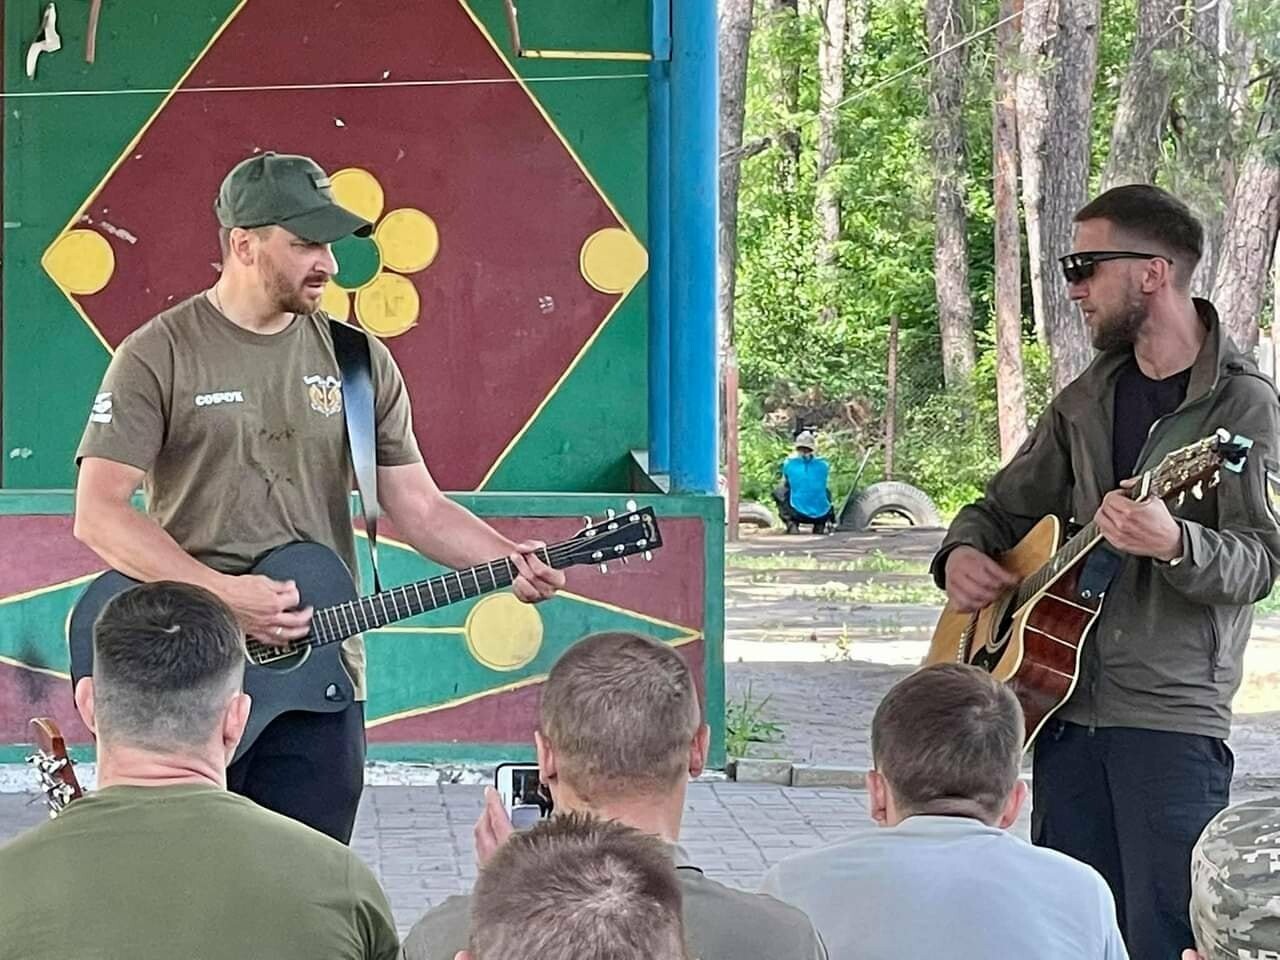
1144	97
783	15
830	92
943	26
735	42
891	400
1010	400
1218	151
1055	108
1249	229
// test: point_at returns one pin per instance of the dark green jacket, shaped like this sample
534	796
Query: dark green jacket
1166	652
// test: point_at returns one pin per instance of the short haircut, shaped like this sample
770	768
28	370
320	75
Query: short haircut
166	657
620	710
948	738
224	237
578	888
1155	217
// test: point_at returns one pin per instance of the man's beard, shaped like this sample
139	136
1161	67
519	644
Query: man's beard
1121	328
287	297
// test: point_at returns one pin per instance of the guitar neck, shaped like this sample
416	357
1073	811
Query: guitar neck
336	623
1065	556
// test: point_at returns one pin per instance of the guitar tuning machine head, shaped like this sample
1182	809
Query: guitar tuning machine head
610	513
1198	490
648	555
1182	498
604	568
587	520
632	506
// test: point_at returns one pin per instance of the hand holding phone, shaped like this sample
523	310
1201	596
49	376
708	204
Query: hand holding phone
493	827
526	799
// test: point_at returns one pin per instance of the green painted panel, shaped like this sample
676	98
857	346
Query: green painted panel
604	397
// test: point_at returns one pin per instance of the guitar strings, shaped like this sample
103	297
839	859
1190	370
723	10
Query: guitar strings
553	554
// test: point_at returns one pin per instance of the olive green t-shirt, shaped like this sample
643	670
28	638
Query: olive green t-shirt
189	871
242	435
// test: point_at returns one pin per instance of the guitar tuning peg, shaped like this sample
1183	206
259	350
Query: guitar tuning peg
604	568
1182	498
632	506
1215	478
625	560
648	555
1198	490
586	520
610	513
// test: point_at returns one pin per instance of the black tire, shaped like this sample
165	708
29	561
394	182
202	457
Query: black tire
889	500
756	515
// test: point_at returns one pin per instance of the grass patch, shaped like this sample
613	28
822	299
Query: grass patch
1268	605
745	723
876	562
877	592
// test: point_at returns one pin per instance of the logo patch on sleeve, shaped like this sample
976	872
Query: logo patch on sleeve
101	412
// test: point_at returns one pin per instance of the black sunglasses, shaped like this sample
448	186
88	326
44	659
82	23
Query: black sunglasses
1080	266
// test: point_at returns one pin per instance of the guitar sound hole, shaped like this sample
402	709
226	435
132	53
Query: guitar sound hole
988	655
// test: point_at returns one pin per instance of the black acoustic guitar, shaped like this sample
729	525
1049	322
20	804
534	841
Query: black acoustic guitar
308	674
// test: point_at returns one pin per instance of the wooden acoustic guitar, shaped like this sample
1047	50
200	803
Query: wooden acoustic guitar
1031	636
53	766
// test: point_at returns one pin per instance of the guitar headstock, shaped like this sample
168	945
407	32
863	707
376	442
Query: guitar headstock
616	537
53	765
1193	466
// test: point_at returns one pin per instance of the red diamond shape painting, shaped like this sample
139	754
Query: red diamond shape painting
496	258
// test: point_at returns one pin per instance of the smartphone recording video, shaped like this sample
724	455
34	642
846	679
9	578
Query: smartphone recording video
523	794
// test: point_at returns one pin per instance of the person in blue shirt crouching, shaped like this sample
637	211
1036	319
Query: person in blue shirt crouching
803	495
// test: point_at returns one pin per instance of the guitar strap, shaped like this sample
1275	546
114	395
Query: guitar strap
351	349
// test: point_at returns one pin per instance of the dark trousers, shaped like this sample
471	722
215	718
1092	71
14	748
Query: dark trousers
308	766
1131	804
790	515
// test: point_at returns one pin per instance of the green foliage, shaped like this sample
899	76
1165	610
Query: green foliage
812	344
745	723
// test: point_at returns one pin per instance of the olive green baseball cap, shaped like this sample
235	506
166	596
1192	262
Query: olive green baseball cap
289	191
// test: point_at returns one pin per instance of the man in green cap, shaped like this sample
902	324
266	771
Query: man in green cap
227	410
1235	884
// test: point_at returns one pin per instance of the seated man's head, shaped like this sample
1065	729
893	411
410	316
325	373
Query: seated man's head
168	661
1235	883
947	740
578	888
621	729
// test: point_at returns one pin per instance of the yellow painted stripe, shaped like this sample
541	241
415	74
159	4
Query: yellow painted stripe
586	55
124	155
39	591
26	666
497	49
555	388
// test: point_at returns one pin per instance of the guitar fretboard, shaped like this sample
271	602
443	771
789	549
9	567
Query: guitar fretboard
336	623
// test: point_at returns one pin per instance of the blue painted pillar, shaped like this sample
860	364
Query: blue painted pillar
660	251
695	198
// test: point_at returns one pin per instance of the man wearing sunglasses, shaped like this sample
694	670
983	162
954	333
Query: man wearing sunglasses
1134	765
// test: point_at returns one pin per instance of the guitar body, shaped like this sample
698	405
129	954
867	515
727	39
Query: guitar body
1036	647
312	680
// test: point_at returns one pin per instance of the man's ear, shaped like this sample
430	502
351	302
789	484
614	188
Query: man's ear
84	703
698	751
234	719
546	758
1013	805
878	797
